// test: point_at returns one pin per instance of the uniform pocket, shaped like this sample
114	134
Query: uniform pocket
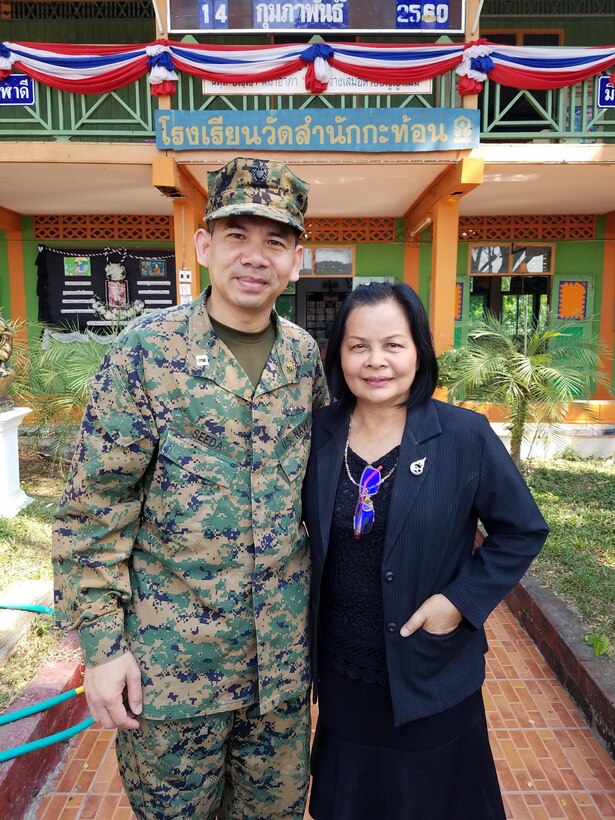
188	485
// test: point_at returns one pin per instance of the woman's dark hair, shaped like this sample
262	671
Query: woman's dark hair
426	377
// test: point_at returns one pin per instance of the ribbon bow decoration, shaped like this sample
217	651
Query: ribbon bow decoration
474	68
162	74
6	61
317	56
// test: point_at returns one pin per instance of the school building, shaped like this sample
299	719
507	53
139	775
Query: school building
467	148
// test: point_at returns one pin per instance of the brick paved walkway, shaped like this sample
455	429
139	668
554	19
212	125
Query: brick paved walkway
549	763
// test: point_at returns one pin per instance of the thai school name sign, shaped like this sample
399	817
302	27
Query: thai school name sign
241	16
17	89
342	129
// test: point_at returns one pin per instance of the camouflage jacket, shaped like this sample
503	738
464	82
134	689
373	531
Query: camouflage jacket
179	533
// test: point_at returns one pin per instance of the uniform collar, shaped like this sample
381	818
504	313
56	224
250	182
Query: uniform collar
208	356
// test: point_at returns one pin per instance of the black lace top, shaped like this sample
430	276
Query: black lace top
351	633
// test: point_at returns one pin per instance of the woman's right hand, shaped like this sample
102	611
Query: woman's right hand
437	615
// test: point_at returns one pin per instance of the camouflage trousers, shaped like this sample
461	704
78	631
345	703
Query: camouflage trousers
235	765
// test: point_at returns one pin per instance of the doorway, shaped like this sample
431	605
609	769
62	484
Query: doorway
317	302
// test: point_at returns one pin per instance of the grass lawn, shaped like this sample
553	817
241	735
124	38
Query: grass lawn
25	556
24	540
577	497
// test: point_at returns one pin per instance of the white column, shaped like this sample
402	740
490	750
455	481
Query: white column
12	497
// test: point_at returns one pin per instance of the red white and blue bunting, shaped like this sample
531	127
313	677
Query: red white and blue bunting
95	69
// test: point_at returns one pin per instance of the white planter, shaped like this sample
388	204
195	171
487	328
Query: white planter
587	440
12	497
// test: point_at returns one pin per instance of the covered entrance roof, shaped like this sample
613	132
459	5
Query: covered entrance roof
526	179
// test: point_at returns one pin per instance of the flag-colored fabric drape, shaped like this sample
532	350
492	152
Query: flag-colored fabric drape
95	69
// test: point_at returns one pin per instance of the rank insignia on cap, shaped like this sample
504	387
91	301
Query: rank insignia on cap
257	187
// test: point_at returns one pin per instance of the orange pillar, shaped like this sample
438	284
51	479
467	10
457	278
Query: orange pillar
188	209
17	286
445	215
186	220
607	309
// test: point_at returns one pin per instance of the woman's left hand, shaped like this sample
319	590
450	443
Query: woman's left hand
437	615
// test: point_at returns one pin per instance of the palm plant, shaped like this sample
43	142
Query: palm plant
534	375
53	380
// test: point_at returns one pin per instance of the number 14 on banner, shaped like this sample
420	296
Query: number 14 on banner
213	14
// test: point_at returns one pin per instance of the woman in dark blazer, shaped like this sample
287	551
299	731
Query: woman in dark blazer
395	485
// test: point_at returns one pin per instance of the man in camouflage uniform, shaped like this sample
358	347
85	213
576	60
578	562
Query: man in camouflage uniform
179	552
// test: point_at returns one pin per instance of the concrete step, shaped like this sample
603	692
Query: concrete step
15	623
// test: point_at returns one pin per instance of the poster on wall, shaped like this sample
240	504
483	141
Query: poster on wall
352	16
102	289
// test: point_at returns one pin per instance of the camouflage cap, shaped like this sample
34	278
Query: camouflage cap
257	187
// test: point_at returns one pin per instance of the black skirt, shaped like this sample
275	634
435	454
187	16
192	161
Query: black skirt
436	768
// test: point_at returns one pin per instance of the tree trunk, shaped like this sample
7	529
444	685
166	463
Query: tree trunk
518	419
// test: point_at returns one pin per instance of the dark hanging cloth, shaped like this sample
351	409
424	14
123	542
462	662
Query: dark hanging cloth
70	278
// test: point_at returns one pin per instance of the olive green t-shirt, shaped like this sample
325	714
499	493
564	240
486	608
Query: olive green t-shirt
250	349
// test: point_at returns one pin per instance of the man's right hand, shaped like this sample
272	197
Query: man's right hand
104	691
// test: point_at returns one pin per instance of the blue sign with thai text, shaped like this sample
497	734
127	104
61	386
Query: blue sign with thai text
322	14
606	93
341	129
17	89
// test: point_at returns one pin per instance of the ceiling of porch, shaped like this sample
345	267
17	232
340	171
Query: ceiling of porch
527	179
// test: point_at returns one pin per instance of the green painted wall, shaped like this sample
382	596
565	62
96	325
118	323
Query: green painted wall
463	252
379	259
579	257
425	268
579	260
5	295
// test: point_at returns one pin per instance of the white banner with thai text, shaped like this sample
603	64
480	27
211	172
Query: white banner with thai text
339	83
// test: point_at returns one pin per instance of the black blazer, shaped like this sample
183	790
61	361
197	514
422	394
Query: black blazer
467	474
